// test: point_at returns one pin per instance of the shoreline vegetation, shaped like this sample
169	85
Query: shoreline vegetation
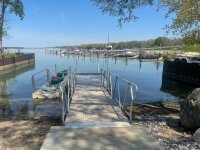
11	55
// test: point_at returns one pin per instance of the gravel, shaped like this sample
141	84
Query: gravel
163	123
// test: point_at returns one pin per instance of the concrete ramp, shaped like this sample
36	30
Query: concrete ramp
121	138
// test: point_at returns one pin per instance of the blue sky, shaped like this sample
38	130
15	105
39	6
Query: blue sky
73	22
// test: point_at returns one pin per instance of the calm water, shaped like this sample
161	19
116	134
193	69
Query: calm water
16	88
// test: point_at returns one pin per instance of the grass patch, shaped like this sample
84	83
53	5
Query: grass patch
169	56
191	48
11	55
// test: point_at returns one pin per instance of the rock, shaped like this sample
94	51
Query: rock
163	123
181	147
196	136
190	110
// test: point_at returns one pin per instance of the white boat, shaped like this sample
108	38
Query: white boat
50	88
47	92
127	53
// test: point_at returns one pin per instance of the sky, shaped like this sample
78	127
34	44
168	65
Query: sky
73	22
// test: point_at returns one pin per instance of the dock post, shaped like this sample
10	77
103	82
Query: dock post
48	75
56	68
98	67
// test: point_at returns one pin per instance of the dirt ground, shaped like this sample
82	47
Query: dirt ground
24	134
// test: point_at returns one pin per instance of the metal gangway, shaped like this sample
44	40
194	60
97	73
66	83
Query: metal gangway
97	114
96	97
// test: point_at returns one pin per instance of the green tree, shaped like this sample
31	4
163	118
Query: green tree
10	6
122	9
192	38
162	41
185	13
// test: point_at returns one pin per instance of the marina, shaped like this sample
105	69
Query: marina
88	99
99	75
133	70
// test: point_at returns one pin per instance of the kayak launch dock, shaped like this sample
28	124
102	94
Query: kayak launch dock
97	115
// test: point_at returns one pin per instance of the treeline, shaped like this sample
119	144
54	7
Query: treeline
160	41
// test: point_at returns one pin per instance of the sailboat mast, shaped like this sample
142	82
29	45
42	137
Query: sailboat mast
108	39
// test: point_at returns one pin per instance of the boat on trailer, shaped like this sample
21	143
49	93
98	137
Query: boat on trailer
50	88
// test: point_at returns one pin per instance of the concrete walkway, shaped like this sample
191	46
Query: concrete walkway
95	122
131	138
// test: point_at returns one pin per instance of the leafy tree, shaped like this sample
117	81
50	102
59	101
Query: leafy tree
162	41
185	13
123	9
192	38
10	6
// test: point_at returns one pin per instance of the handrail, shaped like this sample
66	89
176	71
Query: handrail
67	88
47	75
114	88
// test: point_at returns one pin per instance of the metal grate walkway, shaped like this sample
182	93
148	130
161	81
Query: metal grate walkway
92	104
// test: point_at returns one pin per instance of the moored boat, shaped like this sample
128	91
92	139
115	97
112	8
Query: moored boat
50	90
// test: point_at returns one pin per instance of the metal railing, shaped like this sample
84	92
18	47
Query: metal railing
42	76
111	83
67	88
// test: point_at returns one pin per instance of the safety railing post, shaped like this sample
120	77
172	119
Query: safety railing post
33	83
116	80
131	109
63	106
101	75
71	84
104	75
48	75
68	92
118	89
110	79
107	82
126	93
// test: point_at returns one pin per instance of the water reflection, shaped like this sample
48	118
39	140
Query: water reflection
16	88
175	88
8	107
14	104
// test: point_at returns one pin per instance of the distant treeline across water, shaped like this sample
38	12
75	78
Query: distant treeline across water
160	41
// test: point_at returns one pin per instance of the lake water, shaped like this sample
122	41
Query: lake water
16	87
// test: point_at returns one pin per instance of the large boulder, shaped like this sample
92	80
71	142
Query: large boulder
190	110
196	136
